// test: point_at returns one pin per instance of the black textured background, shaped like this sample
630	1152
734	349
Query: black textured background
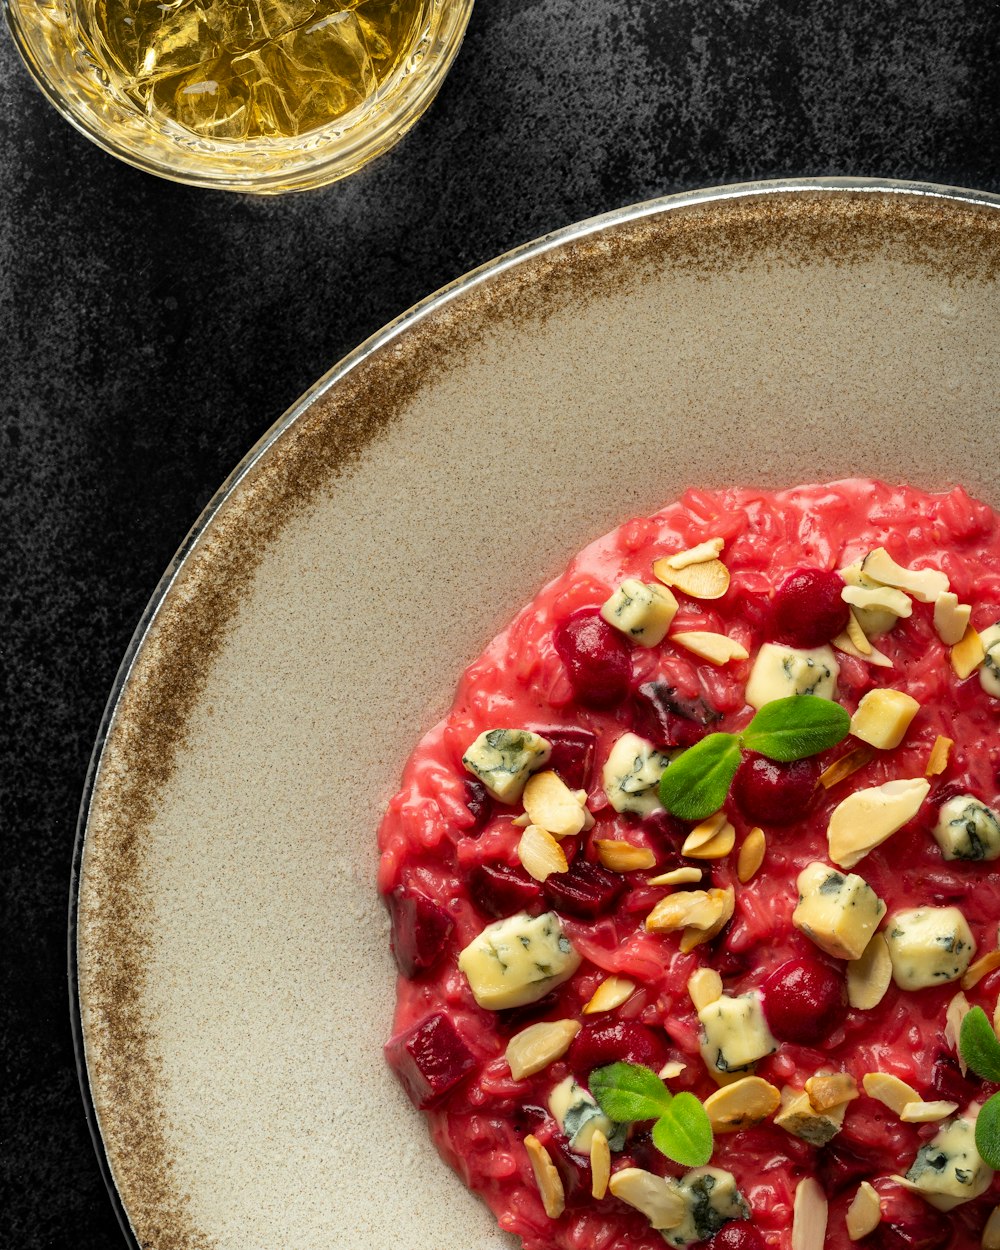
150	333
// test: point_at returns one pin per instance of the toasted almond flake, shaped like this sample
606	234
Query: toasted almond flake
926	1112
540	853
889	1090
671	1069
826	1090
841	769
654	1196
535	1047
677	876
996	1017
705	831
991	1233
951	618
522	821
937	761
981	968
925	585
600	1164
623	856
958	1009
742	1104
708	550
843	643
552	805
717	847
692	937
856	634
809	1216
550	1187
684	908
611	993
716	648
865	1212
704	986
878	599
866	818
967	655
751	855
708	579
869	976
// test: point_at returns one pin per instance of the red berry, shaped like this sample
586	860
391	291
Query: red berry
572	755
501	891
597	658
430	1059
587	890
805	1000
769	793
741	1236
807	610
601	1042
420	929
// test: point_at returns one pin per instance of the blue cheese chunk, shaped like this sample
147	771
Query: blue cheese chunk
504	759
735	1035
989	670
631	775
711	1199
838	911
518	960
928	946
780	671
798	1117
640	610
968	829
578	1115
948	1169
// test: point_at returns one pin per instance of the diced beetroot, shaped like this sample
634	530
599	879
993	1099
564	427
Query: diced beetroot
597	658
430	1059
909	1223
668	719
499	890
480	805
587	890
737	1236
572	755
804	1000
420	929
949	1084
808	610
601	1042
666	835
769	793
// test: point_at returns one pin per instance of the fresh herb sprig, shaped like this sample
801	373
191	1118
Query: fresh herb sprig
696	783
981	1051
627	1092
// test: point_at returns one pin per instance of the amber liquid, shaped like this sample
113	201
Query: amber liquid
250	69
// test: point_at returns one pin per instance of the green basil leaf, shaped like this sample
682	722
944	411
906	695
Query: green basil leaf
626	1092
796	727
696	783
979	1046
683	1133
988	1132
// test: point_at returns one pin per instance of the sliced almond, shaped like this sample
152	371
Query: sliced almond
831	1090
600	1164
692	937
843	643
540	853
550	1187
654	1196
676	876
865	1212
711	549
535	1047
751	855
937	761
968	654
882	718
809	1216
744	1103
684	908
716	648
856	634
705	831
868	978
671	1069
991	1233
878	599
866	818
623	856
951	618
889	1090
707	579
717	847
704	986
926	1112
981	968
958	1009
841	769
611	993
552	805
925	585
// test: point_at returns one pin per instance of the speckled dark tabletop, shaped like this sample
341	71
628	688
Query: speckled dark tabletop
150	333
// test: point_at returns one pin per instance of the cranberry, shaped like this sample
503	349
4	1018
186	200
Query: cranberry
805	1000
420	929
741	1236
480	805
770	793
807	610
430	1059
597	658
572	755
601	1042
668	719
500	891
587	890
908	1223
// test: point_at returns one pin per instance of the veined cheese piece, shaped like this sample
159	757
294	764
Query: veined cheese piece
948	1169
883	717
641	610
504	759
989	670
968	829
798	1117
866	818
735	1034
924	585
780	671
579	1117
838	911
631	775
711	1199
518	960
928	946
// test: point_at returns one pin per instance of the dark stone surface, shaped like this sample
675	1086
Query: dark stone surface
150	333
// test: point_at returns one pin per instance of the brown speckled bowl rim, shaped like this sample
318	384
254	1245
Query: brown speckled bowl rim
789	188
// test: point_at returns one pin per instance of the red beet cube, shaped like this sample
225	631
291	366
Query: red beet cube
668	719
420	930
572	755
430	1059
480	805
597	658
499	890
587	890
601	1042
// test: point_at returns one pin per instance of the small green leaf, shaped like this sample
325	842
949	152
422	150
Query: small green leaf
626	1092
988	1132
796	727
979	1046
696	784
683	1133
